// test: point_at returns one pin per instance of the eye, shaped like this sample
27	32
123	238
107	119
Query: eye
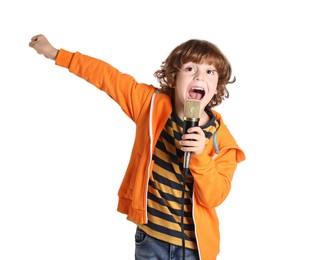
211	72
190	69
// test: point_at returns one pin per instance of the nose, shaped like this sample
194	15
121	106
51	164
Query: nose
199	75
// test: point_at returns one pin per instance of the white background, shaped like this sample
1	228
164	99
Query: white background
64	145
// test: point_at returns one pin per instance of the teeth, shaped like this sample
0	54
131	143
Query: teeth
196	89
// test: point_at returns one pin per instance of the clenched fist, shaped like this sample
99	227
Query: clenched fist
41	44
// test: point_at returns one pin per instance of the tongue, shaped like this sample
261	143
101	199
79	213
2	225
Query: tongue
196	95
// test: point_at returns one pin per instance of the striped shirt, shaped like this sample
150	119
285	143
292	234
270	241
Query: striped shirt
166	185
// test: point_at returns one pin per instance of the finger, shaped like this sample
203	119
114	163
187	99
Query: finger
192	130
35	38
194	137
33	41
189	143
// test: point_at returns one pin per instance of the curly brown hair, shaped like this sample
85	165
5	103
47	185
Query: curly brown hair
197	51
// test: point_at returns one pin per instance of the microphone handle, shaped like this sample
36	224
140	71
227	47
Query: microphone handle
187	125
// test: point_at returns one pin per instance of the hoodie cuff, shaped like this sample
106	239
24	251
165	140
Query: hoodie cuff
64	58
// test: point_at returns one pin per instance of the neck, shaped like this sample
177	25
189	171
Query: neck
204	118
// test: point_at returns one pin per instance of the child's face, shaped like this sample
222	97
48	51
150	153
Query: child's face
195	81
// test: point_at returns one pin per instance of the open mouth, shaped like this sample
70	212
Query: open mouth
196	93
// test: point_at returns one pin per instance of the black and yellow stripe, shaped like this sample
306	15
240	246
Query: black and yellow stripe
166	184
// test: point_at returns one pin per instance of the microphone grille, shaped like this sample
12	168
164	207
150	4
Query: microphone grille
192	108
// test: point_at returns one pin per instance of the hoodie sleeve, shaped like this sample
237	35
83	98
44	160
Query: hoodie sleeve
122	88
213	176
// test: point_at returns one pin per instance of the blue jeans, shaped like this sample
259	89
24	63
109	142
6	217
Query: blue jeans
149	248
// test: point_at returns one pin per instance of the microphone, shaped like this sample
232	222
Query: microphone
191	118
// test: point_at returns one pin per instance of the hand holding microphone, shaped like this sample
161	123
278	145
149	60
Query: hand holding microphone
193	139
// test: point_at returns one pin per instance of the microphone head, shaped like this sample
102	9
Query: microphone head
192	109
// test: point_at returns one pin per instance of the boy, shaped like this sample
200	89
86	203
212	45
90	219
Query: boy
174	212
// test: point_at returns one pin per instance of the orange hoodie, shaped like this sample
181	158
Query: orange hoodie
150	109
